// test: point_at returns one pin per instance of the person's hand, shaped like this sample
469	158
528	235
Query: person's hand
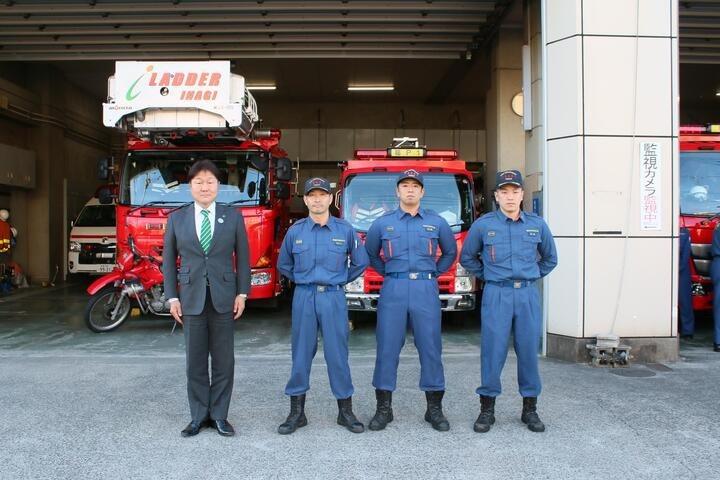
239	306
176	311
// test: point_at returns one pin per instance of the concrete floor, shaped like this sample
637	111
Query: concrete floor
74	404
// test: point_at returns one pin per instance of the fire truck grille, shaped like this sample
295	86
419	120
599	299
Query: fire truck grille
701	258
95	254
443	283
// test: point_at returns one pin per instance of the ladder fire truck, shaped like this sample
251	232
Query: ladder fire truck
175	113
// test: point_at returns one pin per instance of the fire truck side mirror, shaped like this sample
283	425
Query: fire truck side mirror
283	170
282	190
103	169
105	196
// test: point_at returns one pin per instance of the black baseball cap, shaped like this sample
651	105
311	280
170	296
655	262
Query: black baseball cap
508	177
412	174
318	183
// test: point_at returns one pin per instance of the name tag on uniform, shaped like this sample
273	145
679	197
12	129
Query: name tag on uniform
390	228
491	233
533	232
298	241
429	228
338	241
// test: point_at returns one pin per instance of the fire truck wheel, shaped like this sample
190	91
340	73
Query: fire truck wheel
99	311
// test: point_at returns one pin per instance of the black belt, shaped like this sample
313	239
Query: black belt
512	283
412	275
320	288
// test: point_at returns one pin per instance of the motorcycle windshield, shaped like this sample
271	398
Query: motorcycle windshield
367	196
161	177
700	183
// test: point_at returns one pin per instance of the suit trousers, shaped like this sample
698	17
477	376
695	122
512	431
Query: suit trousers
210	333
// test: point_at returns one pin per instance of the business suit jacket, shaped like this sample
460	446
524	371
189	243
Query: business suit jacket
189	282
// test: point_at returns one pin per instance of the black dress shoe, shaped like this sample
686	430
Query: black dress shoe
716	347
193	428
223	427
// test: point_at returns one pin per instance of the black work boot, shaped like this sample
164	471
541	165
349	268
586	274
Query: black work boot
347	418
530	416
434	413
296	419
486	419
383	413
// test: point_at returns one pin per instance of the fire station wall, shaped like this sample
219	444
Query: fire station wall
371	110
320	150
61	123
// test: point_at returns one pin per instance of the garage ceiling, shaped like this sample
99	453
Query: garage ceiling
226	29
700	31
429	49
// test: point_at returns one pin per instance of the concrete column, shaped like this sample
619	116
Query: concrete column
45	202
505	136
611	85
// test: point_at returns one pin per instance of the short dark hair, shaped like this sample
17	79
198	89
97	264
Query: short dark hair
201	166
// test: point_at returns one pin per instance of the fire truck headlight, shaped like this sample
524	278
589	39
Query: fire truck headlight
356	286
460	271
260	278
74	246
463	284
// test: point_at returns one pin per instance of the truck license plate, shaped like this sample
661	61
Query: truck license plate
106	268
407	152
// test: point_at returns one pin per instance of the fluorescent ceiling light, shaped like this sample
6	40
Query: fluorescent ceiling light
371	88
261	87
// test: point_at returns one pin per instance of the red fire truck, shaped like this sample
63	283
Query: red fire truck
175	113
367	191
700	202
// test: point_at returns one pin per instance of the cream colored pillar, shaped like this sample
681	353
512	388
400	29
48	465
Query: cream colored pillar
505	137
610	136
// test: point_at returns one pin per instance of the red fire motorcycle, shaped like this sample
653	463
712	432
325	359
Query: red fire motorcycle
137	279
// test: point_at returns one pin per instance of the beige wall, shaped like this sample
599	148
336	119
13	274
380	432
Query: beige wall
61	123
371	112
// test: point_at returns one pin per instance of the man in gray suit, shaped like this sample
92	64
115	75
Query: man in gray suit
206	295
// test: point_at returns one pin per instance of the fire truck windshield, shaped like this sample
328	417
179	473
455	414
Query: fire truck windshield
700	183
367	196
161	177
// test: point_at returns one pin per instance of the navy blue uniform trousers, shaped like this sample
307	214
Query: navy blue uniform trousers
505	309
415	303
326	311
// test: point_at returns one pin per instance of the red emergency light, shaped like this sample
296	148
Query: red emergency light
371	153
442	153
697	129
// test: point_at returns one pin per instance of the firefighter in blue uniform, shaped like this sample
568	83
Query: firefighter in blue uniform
408	238
715	276
320	254
687	316
509	249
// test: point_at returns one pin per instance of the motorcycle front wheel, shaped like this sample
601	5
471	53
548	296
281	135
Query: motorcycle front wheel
99	311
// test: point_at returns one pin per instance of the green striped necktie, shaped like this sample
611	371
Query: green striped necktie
205	233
